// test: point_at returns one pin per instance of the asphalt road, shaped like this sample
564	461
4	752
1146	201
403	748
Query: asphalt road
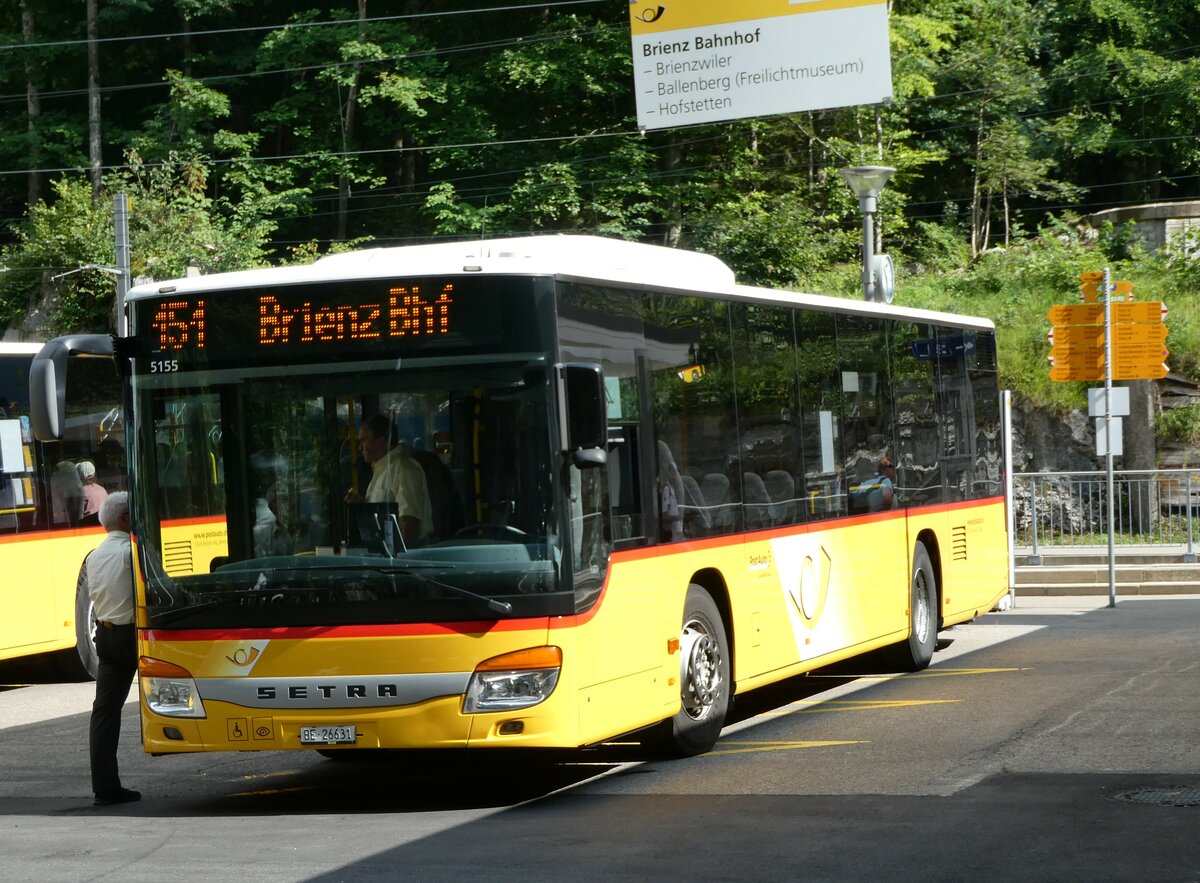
1055	741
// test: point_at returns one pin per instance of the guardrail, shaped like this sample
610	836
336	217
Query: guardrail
1151	507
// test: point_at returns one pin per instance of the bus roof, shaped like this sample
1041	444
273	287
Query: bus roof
570	257
19	348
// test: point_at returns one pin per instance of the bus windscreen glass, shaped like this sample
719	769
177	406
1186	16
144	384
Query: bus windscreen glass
354	463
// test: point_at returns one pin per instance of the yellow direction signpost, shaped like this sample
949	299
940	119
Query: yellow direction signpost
1139	362
1106	339
1146	311
1089	291
1136	332
1080	366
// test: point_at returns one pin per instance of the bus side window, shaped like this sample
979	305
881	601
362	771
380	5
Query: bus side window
624	482
18	511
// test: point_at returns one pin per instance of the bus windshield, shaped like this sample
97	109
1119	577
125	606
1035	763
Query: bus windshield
267	490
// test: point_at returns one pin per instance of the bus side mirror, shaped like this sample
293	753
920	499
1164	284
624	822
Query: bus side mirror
583	414
48	380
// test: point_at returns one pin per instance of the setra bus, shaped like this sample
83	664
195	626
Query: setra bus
46	528
646	489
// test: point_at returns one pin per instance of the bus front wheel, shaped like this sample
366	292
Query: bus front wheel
704	678
923	612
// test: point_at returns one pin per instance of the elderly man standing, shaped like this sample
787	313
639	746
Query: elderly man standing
110	584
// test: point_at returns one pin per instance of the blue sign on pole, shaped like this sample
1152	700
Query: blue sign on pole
941	348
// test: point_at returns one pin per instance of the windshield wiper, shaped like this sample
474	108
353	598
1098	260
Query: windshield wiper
413	568
406	570
166	616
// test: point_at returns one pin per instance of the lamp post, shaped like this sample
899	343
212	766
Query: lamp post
868	182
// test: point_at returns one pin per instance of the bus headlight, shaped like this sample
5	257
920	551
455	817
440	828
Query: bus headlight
169	689
513	680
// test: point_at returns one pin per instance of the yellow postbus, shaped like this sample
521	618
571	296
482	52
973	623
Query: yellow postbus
47	508
646	489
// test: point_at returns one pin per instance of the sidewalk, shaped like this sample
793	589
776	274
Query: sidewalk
1084	570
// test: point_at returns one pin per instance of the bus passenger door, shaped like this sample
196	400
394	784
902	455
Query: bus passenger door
620	644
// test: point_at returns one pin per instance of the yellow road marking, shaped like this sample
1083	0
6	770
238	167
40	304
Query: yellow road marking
927	673
954	672
749	747
250	777
819	707
266	791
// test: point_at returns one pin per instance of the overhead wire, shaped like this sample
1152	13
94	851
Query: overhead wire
544	4
550	139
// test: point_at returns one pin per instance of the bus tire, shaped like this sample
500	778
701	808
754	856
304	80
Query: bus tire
705	684
87	663
917	651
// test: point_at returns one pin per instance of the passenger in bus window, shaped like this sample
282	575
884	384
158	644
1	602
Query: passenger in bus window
110	585
878	492
268	533
66	494
93	492
670	519
395	477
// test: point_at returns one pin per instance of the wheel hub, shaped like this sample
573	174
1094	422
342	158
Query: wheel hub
700	671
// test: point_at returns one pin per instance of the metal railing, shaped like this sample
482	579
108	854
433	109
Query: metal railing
1152	507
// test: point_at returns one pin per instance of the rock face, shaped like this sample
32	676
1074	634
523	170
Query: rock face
1044	442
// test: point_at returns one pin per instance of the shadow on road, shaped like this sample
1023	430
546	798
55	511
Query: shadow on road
44	668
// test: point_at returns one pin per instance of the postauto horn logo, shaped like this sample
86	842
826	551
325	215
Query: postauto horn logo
650	14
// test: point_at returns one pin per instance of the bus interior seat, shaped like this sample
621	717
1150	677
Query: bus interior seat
696	521
755	501
714	488
781	488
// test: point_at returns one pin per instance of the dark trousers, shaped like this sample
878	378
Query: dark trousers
116	648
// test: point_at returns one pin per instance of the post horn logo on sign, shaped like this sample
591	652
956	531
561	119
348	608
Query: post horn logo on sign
650	15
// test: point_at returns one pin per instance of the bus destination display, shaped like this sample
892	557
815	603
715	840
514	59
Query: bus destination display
335	321
406	312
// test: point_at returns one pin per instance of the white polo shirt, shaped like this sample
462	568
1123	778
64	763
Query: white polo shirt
110	579
397	477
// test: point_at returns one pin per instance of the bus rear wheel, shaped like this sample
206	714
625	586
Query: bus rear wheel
917	651
704	678
82	663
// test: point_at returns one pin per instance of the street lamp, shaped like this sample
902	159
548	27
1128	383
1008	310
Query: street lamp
878	276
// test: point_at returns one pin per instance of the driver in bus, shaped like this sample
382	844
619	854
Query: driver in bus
395	477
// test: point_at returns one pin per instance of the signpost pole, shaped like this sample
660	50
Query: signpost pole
1108	439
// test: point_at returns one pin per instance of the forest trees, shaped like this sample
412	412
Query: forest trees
253	132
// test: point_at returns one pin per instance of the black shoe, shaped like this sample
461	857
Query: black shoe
123	795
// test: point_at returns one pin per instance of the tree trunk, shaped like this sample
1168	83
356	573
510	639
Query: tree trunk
407	172
348	132
879	132
674	229
976	197
187	46
812	152
93	65
1006	220
33	108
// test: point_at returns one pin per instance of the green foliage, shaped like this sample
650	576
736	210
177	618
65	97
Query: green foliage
1017	287
773	241
276	132
1182	424
173	224
69	232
